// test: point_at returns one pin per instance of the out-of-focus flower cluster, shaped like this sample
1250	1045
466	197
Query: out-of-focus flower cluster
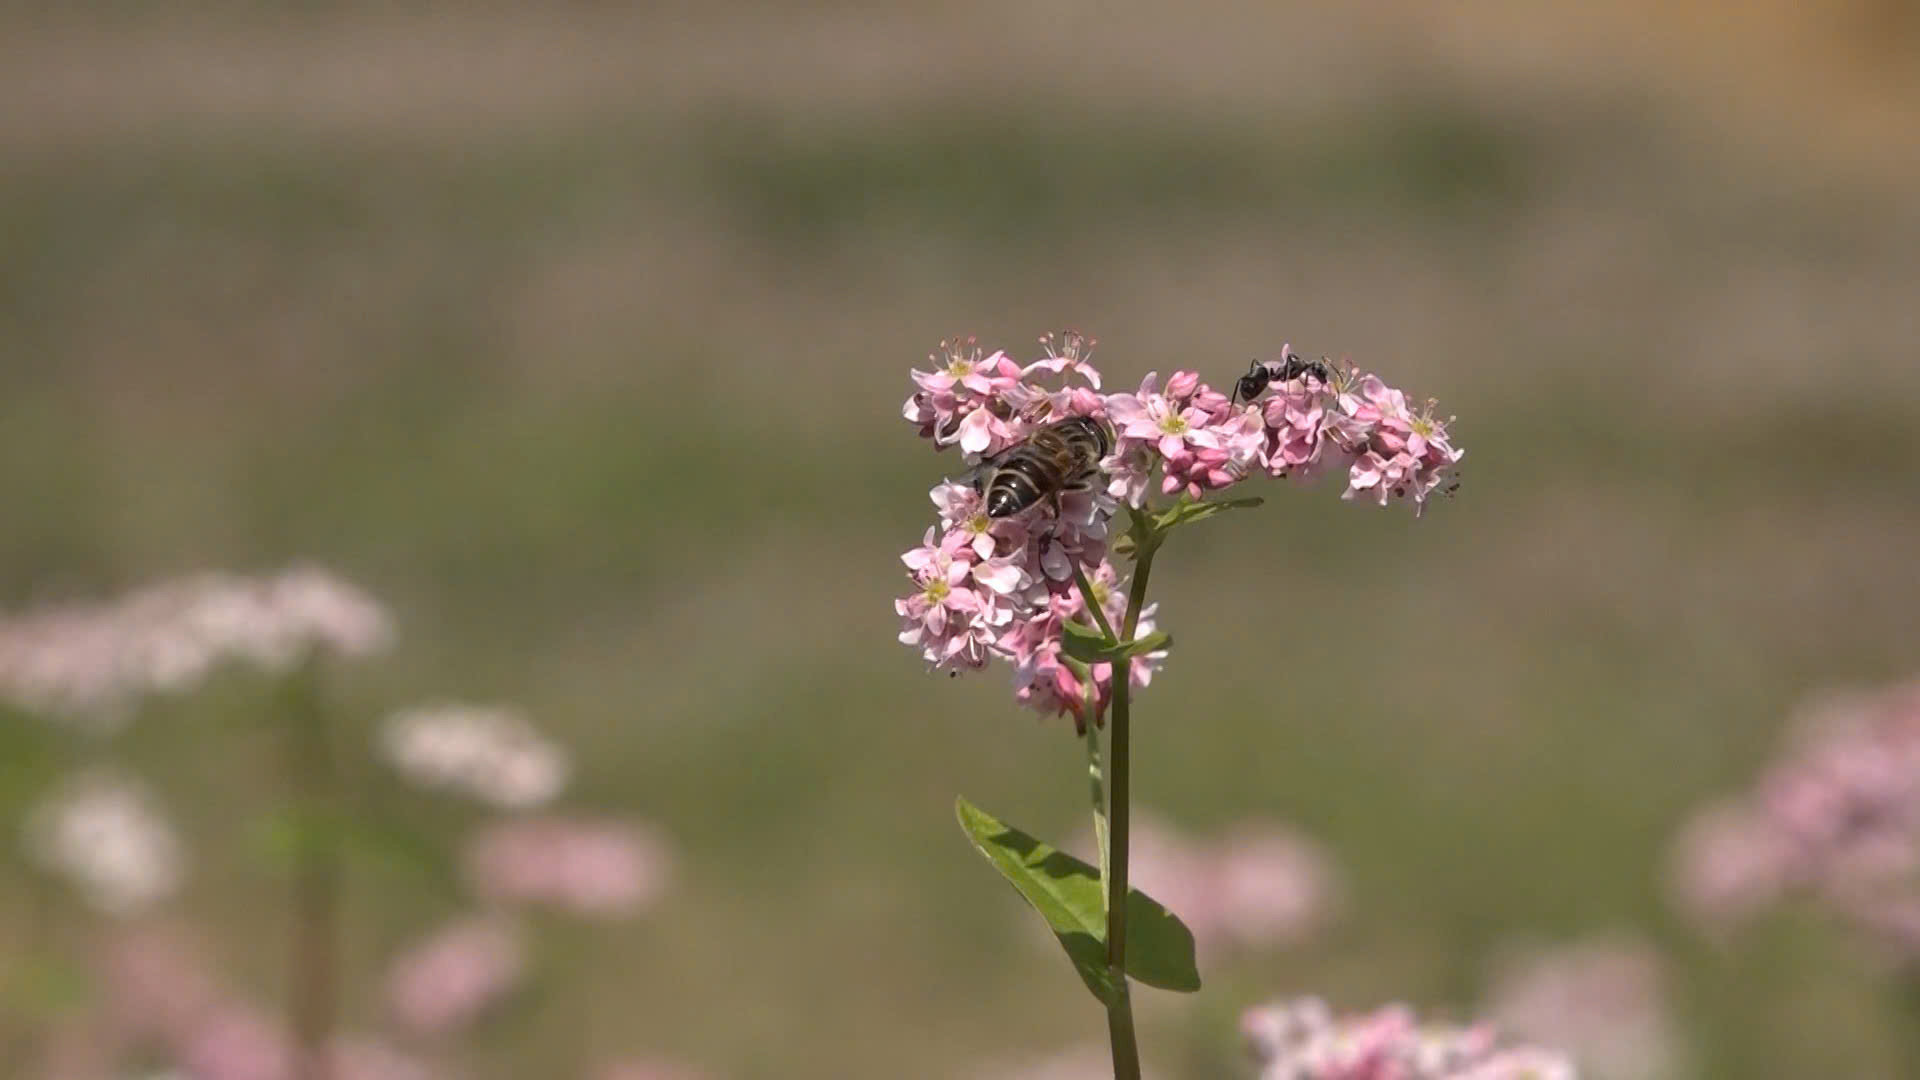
984	587
1603	1001
579	866
164	1002
1259	884
1835	819
1303	1040
96	660
101	831
491	754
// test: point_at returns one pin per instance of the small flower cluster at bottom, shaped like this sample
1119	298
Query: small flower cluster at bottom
1303	1040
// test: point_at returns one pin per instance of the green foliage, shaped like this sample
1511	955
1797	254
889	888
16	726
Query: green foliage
1068	895
382	843
1090	646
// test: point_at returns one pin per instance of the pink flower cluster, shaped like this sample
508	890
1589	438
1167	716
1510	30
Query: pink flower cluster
1303	1040
162	996
1836	819
585	867
985	587
1603	1000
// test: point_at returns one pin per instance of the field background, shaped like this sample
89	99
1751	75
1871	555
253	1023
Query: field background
579	335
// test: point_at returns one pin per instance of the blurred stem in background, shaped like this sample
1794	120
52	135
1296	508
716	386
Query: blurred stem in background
313	784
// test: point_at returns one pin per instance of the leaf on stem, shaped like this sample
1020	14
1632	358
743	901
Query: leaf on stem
1090	646
1067	894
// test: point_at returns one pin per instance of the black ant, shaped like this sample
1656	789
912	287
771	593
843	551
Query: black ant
1263	373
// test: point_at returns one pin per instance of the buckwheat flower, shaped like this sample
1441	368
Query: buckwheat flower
1129	472
1160	419
445	982
1604	1001
963	510
1296	421
486	753
1303	1040
101	831
588	868
96	660
1067	353
1241	446
239	1043
954	617
1260	884
1273	885
1836	820
1406	455
157	983
1727	866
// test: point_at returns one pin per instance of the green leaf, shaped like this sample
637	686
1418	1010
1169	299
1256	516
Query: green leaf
1084	643
1190	510
1090	646
1066	892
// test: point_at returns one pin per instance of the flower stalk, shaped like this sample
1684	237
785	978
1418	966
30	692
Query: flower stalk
312	1000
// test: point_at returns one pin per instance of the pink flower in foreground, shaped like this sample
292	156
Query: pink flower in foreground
1303	1040
589	868
1164	420
984	587
446	981
1404	455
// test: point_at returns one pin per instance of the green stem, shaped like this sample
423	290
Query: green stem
1126	1051
312	997
1098	789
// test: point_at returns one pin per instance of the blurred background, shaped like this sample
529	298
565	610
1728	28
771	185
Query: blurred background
578	337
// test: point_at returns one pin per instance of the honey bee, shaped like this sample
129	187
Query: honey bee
1261	373
1057	458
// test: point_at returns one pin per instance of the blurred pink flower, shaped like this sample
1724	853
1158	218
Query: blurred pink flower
588	868
157	983
1303	1040
95	661
446	981
1261	884
238	1043
1604	1001
1836	819
488	753
101	831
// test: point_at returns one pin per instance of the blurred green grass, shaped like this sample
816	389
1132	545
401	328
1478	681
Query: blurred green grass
609	412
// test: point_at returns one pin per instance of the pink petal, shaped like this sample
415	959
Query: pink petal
976	433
